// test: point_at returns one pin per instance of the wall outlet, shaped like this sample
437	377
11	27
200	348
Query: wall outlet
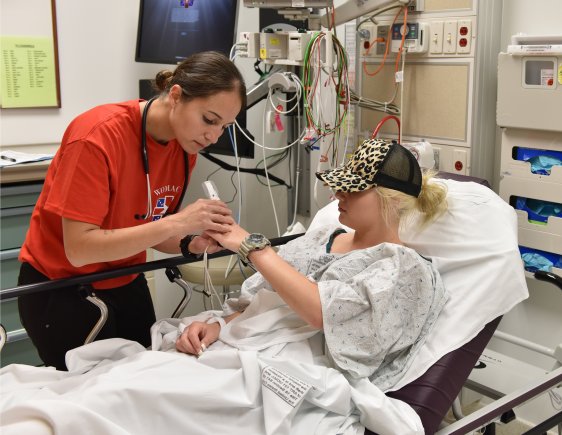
383	33
464	37
436	158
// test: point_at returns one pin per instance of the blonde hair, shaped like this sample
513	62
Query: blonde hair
431	203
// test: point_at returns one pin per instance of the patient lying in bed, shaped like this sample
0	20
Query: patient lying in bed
374	298
271	370
377	303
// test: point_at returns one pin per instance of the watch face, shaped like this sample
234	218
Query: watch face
255	238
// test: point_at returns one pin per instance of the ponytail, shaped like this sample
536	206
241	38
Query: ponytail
431	203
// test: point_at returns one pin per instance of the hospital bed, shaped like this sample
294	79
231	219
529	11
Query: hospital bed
474	246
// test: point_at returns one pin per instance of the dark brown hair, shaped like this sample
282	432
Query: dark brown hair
202	75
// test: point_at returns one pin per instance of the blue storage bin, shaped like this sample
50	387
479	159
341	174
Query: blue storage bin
541	161
538	210
535	259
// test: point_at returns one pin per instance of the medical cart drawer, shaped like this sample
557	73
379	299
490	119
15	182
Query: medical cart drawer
18	201
9	267
531	154
14	223
19	348
20	195
10	315
20	352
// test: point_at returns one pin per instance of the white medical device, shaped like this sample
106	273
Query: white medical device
210	189
416	38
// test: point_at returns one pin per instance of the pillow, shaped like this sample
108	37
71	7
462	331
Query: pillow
474	248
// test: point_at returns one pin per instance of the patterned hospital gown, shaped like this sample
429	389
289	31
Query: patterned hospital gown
378	304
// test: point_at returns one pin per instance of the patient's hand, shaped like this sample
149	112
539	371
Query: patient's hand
232	239
197	337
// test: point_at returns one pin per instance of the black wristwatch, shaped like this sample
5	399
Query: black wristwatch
184	246
252	242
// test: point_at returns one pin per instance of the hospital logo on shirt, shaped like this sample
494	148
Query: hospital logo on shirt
162	205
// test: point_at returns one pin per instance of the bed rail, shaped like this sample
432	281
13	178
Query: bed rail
84	284
89	278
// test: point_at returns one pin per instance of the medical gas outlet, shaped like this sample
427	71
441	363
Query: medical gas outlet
416	37
431	38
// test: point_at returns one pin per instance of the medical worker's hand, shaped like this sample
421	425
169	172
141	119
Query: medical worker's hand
203	215
232	239
204	242
197	337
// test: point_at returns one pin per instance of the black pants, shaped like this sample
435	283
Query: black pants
61	319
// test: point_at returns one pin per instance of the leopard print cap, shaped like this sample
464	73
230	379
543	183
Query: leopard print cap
359	172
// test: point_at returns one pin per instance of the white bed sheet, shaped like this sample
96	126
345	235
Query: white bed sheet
474	247
117	387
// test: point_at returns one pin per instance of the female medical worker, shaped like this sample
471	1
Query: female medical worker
112	191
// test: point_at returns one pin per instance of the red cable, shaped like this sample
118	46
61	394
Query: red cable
382	121
387	46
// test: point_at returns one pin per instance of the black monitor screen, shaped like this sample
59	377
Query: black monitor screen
168	32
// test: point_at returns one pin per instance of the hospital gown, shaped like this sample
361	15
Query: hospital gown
378	304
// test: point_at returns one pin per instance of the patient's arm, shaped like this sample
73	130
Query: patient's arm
297	290
199	335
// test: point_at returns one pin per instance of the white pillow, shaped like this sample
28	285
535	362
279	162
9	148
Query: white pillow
474	247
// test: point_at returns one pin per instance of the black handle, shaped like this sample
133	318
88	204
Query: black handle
549	277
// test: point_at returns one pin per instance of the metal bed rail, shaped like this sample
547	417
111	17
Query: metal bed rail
83	282
486	415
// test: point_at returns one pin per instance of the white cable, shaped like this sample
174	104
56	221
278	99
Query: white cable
301	135
267	175
279	111
297	177
349	130
380	106
232	50
208	282
296	96
378	12
402	111
237	162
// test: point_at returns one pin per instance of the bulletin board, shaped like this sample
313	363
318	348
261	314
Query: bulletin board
29	73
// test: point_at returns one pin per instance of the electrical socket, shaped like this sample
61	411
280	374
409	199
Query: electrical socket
383	32
416	5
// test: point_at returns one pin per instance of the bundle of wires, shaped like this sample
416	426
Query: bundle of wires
312	76
368	103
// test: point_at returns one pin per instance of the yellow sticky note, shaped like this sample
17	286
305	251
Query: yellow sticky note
560	74
28	72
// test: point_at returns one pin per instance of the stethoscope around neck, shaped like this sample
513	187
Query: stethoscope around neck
144	157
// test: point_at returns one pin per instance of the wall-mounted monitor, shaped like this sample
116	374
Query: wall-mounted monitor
168	31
